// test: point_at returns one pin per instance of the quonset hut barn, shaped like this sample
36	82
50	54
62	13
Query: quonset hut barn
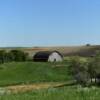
48	56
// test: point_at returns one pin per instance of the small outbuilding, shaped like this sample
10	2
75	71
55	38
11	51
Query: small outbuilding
48	56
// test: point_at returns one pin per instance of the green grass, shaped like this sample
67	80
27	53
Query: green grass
66	93
27	72
32	72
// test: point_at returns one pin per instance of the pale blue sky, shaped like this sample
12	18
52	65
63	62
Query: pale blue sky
49	22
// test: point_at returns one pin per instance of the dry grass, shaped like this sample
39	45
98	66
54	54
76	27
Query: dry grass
26	88
67	51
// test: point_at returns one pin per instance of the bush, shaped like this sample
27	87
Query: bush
88	44
13	55
94	67
2	56
79	69
17	55
86	72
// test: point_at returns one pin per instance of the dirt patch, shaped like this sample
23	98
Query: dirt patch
25	88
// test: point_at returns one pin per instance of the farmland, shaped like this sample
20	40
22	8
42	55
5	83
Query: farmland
65	50
43	80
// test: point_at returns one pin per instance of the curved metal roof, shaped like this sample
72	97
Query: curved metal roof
44	55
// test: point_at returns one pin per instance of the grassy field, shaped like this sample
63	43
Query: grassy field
30	72
35	73
65	93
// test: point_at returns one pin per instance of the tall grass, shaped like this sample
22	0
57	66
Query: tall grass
66	93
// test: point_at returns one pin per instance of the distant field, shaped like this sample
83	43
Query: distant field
66	51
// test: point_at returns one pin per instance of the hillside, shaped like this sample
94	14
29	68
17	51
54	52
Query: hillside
30	72
66	51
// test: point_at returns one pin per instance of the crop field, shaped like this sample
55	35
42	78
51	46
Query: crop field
65	50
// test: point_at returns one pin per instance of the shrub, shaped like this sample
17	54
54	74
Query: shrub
79	69
2	56
13	55
94	67
17	55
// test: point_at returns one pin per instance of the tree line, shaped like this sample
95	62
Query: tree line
13	55
86	72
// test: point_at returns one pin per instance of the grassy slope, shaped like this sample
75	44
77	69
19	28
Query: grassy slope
26	72
66	93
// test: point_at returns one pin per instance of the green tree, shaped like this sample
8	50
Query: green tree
17	55
79	70
2	56
94	67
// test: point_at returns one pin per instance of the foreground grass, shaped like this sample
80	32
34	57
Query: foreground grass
66	93
30	72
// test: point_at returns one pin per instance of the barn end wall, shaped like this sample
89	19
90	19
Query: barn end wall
55	57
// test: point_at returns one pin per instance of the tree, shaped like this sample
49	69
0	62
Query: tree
2	56
13	55
17	55
94	67
84	71
88	45
79	70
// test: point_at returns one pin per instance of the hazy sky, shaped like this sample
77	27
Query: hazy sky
49	22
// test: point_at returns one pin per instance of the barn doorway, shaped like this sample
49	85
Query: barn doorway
55	60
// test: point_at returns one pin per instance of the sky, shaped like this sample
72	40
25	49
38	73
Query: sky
49	22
